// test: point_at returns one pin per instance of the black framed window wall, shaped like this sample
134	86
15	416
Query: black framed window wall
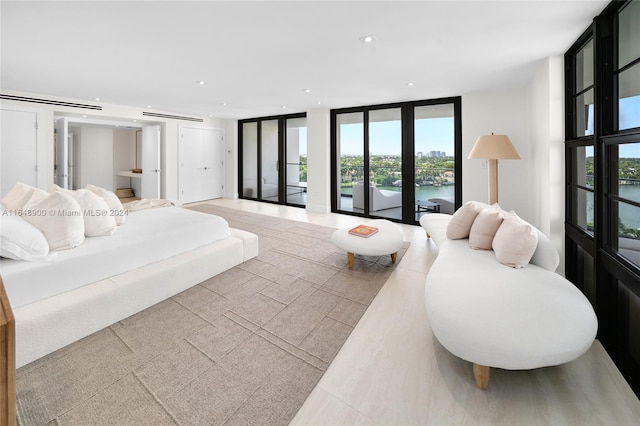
602	145
405	153
273	159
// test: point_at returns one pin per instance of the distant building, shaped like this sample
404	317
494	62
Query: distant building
437	154
420	154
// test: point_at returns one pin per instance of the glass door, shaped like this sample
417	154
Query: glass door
434	165
273	152
350	160
296	154
385	163
270	169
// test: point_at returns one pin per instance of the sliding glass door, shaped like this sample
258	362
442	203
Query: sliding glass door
397	161
274	159
434	145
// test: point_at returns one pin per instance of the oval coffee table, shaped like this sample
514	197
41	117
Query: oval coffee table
388	240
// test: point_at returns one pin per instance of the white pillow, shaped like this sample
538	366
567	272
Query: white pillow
21	240
59	217
485	226
18	196
515	242
115	206
460	223
96	215
95	211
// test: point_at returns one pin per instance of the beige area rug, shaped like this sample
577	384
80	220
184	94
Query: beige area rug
244	347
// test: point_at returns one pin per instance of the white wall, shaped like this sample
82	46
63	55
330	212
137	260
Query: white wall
501	112
318	160
547	186
96	156
124	155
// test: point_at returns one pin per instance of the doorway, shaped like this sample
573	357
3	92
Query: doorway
106	153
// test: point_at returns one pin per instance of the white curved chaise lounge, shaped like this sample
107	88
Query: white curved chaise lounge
495	316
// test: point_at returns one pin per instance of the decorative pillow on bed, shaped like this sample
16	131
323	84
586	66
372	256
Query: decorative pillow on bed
485	226
95	211
21	240
18	196
112	200
461	221
515	242
59	217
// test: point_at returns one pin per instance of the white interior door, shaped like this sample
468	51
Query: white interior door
62	152
18	149
150	185
213	164
191	164
201	164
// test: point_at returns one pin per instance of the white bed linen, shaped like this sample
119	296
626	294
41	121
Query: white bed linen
148	236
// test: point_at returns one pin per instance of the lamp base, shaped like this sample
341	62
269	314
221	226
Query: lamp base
493	181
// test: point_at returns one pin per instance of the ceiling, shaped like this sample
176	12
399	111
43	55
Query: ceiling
259	58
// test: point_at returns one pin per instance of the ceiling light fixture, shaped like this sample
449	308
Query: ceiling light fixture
148	106
307	90
202	83
284	107
367	39
319	102
97	99
410	84
224	104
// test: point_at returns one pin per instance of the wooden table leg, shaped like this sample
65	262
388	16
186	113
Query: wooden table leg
350	257
481	374
394	256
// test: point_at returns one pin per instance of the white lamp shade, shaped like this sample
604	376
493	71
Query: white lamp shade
493	147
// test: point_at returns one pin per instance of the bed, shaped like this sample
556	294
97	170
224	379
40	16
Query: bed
158	253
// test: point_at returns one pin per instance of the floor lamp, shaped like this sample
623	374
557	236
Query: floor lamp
493	148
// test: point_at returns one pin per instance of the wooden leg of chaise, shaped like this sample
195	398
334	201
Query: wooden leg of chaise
428	236
394	256
350	257
481	374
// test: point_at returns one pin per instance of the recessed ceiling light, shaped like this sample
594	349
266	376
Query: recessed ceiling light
148	106
210	115
307	90
409	84
224	104
284	107
97	99
201	83
84	116
367	39
319	102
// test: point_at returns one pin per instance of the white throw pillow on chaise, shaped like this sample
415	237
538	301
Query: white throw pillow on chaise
112	200
515	241
485	226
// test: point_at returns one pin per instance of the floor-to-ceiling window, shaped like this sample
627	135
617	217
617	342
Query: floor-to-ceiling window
396	161
273	152
603	178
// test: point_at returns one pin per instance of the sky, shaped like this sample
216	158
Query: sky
433	134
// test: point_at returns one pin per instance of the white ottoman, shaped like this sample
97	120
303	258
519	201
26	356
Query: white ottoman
388	240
